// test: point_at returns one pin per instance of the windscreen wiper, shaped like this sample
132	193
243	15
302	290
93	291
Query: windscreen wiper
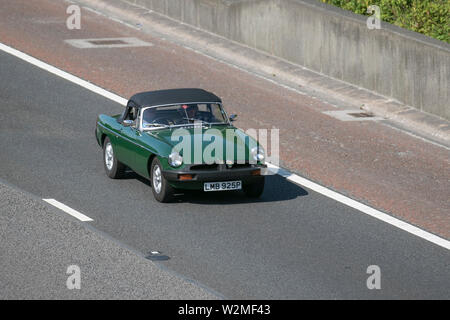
156	125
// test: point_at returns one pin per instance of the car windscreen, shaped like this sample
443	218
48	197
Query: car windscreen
183	114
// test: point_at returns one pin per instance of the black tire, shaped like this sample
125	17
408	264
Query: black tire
255	189
162	191
114	169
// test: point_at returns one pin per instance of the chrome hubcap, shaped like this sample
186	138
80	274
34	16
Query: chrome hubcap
157	183
109	156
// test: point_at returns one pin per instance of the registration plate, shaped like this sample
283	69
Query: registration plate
221	186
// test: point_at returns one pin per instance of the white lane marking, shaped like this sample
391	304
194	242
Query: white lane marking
65	75
69	210
288	175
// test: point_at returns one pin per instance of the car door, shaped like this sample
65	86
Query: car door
143	151
132	147
127	140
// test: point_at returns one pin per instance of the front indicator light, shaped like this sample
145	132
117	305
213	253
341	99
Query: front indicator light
256	172
184	177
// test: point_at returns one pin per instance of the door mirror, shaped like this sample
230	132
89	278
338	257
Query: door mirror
233	117
128	123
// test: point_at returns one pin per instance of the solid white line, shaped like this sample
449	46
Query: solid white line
65	75
288	175
72	212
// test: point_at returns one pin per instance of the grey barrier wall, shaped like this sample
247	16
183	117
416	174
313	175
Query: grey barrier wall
409	67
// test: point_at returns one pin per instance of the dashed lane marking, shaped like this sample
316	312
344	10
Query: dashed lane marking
72	212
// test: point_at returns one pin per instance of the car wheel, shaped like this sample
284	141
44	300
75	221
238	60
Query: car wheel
162	190
114	169
255	189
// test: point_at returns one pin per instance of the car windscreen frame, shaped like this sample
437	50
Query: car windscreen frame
141	113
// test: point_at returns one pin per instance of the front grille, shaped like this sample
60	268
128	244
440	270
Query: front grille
205	167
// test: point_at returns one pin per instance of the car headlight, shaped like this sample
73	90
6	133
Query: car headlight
258	153
175	160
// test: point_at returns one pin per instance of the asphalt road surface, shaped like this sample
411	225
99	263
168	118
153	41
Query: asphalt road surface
40	249
292	243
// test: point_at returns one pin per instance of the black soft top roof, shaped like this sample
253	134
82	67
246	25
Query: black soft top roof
171	96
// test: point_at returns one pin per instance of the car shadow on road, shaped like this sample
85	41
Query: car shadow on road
276	188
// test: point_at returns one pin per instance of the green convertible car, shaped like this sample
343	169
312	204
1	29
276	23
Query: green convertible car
181	139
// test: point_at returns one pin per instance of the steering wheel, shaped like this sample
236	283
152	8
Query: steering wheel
161	120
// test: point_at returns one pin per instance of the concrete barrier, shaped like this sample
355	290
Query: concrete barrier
409	67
